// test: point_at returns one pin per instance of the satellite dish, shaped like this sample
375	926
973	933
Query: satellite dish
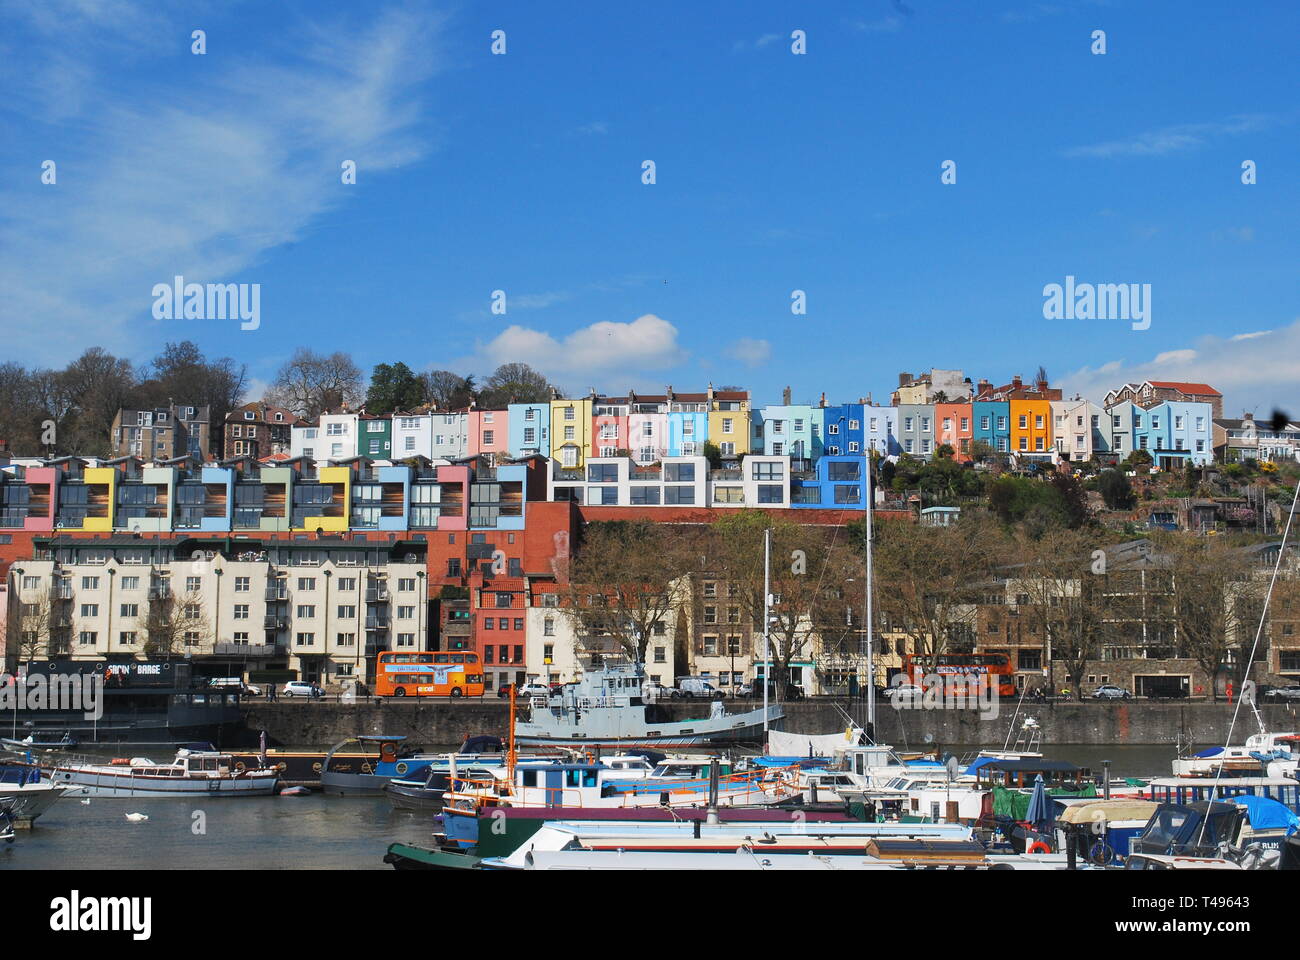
954	768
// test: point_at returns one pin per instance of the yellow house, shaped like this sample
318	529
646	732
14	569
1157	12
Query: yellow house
571	431
729	421
101	484
333	516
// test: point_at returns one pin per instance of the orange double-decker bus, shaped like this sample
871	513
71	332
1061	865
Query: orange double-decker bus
428	675
992	670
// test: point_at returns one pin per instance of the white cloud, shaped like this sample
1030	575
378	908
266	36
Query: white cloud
1252	369
1171	139
202	177
601	349
890	24
750	352
536	301
595	127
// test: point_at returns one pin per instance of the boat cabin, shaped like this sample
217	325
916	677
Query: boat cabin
1191	830
1020	774
1196	789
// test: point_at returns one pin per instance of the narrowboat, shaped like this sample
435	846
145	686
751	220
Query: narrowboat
192	774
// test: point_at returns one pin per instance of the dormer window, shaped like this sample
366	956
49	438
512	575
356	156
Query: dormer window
248	414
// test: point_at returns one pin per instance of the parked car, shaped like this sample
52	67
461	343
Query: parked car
752	689
1110	691
1291	692
524	691
297	688
904	693
503	691
653	691
690	687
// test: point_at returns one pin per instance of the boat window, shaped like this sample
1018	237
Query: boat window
528	778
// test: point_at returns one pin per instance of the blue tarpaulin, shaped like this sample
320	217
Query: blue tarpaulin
1266	813
1208	752
981	762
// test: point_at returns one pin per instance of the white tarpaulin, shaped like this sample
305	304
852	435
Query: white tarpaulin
781	744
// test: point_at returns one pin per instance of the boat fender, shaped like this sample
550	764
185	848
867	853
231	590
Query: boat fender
1038	847
282	766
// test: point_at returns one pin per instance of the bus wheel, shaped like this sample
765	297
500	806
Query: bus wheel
456	692
399	692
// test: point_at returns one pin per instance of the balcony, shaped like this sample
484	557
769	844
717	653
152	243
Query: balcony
277	593
274	623
61	593
575	474
374	649
159	592
377	623
376	594
736	474
250	650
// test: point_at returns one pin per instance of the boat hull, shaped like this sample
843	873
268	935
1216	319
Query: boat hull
29	801
621	729
93	783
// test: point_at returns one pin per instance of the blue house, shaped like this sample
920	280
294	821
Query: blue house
992	424
834	483
530	429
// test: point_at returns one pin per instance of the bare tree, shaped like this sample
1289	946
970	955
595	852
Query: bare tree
623	585
310	383
171	623
929	580
514	383
1066	591
447	390
29	630
809	567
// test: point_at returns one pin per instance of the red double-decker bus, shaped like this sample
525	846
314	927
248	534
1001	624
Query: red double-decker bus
991	669
428	675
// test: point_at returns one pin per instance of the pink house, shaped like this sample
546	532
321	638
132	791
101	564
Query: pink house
489	432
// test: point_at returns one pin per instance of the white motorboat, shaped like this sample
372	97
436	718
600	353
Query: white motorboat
193	773
27	801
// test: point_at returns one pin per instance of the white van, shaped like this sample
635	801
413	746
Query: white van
689	687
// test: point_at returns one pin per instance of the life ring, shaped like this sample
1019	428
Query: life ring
239	766
402	768
1038	846
282	766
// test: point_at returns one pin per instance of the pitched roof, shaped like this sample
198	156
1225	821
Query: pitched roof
1192	389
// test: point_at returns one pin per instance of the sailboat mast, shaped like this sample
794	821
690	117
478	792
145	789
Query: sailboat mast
767	646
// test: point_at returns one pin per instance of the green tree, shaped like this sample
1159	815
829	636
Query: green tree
393	388
1116	491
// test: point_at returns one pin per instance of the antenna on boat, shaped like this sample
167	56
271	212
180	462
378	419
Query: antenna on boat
510	738
1254	647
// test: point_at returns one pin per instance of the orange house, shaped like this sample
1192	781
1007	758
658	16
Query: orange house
1031	427
954	424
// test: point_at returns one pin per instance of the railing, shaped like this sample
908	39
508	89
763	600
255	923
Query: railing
376	594
588	703
274	623
244	649
726	475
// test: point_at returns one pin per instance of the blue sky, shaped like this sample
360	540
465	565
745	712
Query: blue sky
775	172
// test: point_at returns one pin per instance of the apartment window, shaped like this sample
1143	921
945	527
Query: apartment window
548	627
530	414
1024	421
530	436
241	611
907	445
346	639
726	424
907	423
965	424
306	610
503	601
569	434
126	638
925	424
489	437
243	584
306	640
1024	443
771	493
659	655
306	583
710	614
406	583
710	646
453	566
406	613
335	429
347	612
130	610
87	583
34	583
406	640
488	623
87	637
90	609
347	583
767	470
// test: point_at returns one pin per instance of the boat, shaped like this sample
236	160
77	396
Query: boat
606	708
501	830
852	846
194	773
365	773
30	742
156	702
302	768
1102	831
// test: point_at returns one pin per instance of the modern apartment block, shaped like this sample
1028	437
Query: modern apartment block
161	433
323	608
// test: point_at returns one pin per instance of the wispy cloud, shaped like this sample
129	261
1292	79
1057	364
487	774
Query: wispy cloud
1164	140
237	156
750	352
765	40
595	128
1250	369
889	24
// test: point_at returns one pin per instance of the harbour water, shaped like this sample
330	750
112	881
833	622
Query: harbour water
305	833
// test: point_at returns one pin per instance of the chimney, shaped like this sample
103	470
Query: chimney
631	397
1015	382
822	402
668	391
904	379
785	396
710	394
